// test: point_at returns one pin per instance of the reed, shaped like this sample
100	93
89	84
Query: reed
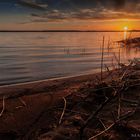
102	57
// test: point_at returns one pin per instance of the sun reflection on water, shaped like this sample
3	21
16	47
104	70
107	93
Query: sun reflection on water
125	32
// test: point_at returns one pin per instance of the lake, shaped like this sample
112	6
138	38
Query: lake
32	56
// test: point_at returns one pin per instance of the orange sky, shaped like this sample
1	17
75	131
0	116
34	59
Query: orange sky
74	25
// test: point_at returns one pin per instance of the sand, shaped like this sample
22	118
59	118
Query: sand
33	110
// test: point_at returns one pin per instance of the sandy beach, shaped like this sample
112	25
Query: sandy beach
34	110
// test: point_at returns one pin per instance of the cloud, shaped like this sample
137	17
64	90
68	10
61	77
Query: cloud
56	10
70	4
32	4
84	14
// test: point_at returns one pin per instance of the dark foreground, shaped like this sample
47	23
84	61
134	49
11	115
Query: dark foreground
83	107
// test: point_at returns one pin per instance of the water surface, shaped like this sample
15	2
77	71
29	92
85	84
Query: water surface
38	56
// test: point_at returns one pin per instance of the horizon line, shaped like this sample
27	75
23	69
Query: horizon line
68	30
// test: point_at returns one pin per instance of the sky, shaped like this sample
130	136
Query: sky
69	14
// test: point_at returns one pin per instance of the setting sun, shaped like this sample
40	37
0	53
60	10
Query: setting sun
125	28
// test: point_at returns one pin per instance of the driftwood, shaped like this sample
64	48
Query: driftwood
93	115
3	106
65	104
130	42
127	115
120	86
117	85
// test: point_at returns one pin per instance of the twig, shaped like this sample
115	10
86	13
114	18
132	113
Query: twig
102	123
97	111
131	85
65	104
94	114
109	72
130	101
121	78
22	101
3	106
119	57
102	132
119	106
108	45
102	58
114	119
122	118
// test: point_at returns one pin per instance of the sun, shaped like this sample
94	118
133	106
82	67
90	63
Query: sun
125	28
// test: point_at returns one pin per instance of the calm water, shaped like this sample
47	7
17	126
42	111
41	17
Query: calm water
38	56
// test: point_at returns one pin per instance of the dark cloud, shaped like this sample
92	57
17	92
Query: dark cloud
79	9
70	4
89	9
82	14
115	4
130	6
32	4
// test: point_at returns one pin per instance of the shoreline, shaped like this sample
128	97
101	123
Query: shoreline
51	79
6	90
33	110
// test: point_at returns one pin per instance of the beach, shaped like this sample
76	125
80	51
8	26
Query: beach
34	110
70	70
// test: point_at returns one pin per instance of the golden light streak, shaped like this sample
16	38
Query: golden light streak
125	32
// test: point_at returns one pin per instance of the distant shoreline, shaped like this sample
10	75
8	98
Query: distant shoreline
66	31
